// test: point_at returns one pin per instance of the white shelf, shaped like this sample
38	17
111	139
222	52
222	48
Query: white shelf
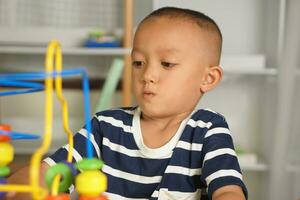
250	64
293	168
264	71
65	51
250	162
254	167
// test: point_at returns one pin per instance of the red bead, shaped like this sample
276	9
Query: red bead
4	138
5	127
62	196
101	197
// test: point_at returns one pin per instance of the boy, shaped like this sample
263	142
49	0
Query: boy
164	148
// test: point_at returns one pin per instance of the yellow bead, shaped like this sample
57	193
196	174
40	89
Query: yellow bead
7	153
91	183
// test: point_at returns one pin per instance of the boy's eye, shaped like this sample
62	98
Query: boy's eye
167	64
137	63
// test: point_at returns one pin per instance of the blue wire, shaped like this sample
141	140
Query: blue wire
17	80
10	79
15	92
41	75
19	136
85	84
23	76
21	84
32	87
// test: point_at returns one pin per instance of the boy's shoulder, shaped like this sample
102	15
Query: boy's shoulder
117	111
207	115
124	114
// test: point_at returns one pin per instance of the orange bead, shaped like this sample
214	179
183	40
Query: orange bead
4	138
5	127
101	197
62	196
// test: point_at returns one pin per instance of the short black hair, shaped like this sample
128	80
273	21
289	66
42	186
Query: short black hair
202	20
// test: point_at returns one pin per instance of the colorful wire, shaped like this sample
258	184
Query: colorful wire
21	80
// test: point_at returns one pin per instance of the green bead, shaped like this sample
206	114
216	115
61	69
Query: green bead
4	171
89	164
66	173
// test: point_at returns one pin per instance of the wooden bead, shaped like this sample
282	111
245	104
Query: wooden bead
101	197
4	138
5	127
66	173
4	171
91	183
89	164
62	196
7	153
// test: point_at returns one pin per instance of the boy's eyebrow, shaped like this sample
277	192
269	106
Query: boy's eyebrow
135	50
162	50
169	50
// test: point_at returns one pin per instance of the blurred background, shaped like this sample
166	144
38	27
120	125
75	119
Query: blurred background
258	94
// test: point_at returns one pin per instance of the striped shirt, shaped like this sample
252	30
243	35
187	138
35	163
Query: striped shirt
199	159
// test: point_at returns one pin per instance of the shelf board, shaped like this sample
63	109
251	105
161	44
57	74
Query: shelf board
254	167
250	162
293	168
65	51
248	64
264	71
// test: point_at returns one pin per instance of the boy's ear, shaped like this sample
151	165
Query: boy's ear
211	79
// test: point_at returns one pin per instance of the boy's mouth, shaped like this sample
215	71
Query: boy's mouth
148	94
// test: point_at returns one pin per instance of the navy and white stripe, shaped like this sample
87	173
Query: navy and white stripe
203	159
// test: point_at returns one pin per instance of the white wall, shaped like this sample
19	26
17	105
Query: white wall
241	21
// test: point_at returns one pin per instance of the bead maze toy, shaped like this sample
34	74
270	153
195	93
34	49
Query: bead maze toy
90	183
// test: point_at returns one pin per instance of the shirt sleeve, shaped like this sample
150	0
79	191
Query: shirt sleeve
80	140
220	165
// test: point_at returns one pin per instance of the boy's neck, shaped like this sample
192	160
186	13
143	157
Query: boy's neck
156	132
167	121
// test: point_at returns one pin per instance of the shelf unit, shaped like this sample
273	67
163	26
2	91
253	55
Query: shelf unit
66	51
260	166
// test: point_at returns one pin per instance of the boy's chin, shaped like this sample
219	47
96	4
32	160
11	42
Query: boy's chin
154	112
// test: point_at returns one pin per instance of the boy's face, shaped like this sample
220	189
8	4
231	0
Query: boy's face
169	61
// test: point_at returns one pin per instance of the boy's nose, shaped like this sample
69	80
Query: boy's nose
150	75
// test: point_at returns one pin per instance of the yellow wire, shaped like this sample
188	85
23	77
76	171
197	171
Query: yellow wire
52	50
55	185
23	188
37	191
37	156
64	104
